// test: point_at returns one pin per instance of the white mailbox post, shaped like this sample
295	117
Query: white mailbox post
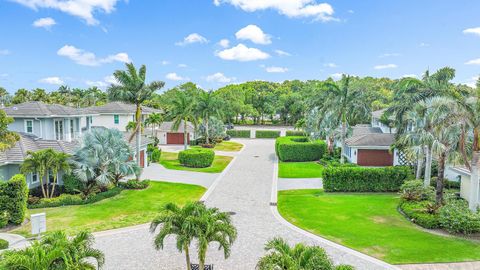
39	223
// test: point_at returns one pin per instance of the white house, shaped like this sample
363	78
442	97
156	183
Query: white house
118	115
168	135
469	190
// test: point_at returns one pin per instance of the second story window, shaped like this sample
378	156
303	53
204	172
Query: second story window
116	119
29	126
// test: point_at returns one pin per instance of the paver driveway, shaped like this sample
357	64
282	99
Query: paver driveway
245	190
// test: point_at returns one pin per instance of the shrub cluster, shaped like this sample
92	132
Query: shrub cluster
156	154
4	219
196	157
267	134
234	133
78	199
134	184
361	179
296	133
3	244
71	184
13	198
299	149
456	217
414	190
417	212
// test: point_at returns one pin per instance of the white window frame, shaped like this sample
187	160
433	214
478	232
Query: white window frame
26	125
62	135
36	177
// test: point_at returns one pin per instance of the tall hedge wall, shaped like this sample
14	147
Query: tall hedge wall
295	133
13	198
234	133
297	148
267	134
361	179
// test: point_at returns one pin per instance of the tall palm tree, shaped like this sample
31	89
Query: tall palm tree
183	111
214	226
154	120
178	221
37	162
208	105
133	89
59	161
22	95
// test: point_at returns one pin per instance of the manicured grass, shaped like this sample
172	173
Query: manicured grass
299	169
170	161
226	146
371	224
129	208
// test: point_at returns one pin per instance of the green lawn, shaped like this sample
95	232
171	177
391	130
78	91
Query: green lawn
129	208
299	169
371	224
226	146
170	161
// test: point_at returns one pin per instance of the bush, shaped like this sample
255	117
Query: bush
446	183
69	199
361	179
417	212
156	155
71	184
344	267
3	244
4	219
299	149
455	217
13	198
414	190
134	184
238	133
295	133
196	157
267	134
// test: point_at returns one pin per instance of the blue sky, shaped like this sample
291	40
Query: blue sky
81	42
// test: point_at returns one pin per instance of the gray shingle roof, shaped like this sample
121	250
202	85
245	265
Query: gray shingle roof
168	127
40	109
118	107
371	139
365	129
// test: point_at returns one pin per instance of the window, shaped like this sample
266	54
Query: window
59	129
116	119
29	126
34	177
50	176
72	127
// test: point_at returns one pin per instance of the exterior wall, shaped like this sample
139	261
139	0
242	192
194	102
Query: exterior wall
384	128
465	187
45	128
9	170
107	120
451	174
162	137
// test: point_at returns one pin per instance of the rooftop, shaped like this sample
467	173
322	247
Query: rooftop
40	109
371	139
118	107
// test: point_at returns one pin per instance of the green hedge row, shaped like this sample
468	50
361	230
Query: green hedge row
69	199
361	179
196	157
13	198
296	133
296	148
267	134
238	133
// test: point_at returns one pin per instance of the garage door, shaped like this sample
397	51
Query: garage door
176	138
367	157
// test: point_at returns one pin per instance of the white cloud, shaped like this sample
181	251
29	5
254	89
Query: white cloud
52	80
224	43
46	23
389	55
192	38
99	84
4	52
282	53
175	77
472	82
473	62
165	62
110	79
336	76
253	33
219	78
276	69
423	44
290	8
387	66
474	31
350	11
410	76
85	58
242	53
83	9
182	65
330	65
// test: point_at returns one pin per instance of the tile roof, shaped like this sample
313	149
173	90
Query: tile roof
40	109
118	107
371	139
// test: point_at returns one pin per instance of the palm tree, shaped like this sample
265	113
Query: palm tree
132	88
208	105
37	162
59	161
21	96
178	221
300	257
154	120
7	138
5	97
214	226
183	111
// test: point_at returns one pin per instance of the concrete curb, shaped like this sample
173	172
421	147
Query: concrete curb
276	214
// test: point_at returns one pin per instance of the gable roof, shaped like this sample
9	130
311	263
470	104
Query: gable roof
118	107
168	127
365	129
42	110
371	139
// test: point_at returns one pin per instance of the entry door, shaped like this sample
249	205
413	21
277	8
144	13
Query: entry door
59	129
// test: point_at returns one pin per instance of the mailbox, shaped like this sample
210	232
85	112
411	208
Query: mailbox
39	223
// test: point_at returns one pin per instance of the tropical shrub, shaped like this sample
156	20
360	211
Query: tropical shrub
3	244
196	158
3	219
13	198
456	217
156	155
295	133
78	199
417	212
134	184
299	149
238	133
71	184
361	179
216	129
414	190
267	134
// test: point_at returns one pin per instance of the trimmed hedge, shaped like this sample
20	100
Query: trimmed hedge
234	133
68	199
296	133
196	157
3	244
296	148
267	134
361	179
13	198
156	154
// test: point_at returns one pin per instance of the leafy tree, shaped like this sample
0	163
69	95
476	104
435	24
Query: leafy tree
21	96
5	97
132	88
183	111
216	129
7	138
40	95
208	105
